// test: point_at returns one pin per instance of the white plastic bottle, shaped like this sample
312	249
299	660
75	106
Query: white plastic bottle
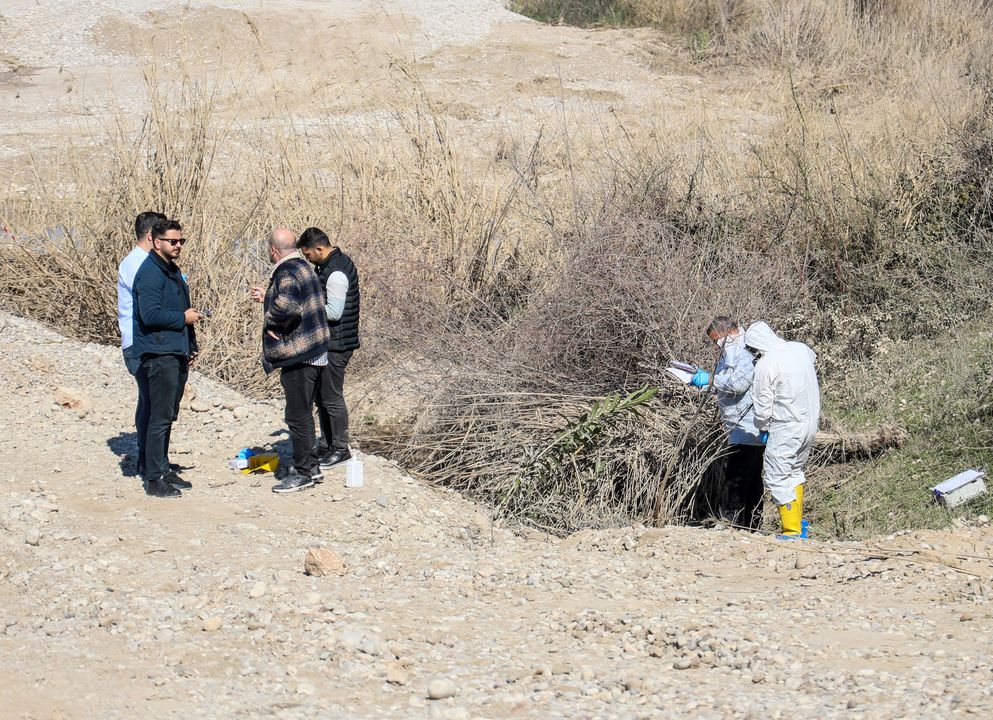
353	473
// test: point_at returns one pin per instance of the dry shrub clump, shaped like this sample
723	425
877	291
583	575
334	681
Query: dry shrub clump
556	415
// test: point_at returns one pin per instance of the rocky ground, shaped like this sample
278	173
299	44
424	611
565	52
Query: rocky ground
114	604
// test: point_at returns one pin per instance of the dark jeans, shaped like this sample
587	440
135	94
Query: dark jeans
133	364
331	409
744	485
299	385
166	381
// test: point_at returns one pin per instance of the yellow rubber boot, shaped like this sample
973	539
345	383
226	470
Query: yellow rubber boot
791	515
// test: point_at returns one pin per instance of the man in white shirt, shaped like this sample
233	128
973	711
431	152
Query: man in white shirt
125	310
340	282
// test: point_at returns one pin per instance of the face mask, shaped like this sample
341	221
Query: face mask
721	342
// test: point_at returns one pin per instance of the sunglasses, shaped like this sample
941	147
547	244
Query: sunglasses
173	241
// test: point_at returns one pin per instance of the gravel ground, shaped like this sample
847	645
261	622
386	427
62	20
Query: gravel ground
113	603
58	32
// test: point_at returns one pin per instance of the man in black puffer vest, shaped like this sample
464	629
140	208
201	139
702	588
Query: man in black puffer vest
340	281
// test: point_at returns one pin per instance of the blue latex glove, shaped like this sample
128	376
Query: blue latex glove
764	437
700	379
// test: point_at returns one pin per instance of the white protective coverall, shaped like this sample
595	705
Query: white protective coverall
732	382
786	402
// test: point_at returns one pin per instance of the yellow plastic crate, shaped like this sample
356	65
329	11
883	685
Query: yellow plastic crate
261	463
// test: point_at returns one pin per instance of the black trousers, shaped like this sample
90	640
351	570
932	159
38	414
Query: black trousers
133	364
743	480
331	409
167	376
299	386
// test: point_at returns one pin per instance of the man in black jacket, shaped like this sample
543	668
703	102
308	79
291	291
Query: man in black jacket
165	341
340	283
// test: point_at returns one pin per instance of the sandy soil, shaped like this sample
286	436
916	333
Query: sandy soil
114	604
69	70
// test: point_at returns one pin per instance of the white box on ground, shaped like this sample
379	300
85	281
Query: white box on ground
961	488
353	473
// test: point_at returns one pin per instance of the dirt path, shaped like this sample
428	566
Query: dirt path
200	606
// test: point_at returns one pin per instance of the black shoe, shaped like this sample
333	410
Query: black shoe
172	477
292	483
160	488
335	457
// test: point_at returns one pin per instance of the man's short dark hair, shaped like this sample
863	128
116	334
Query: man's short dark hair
313	237
160	228
145	221
721	325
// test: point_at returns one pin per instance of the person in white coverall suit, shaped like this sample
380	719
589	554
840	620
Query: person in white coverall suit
786	403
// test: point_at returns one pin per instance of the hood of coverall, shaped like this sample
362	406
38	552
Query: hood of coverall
761	337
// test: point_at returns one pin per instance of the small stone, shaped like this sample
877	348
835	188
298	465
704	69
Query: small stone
212	624
630	543
758	677
350	638
200	406
257	622
383	501
371	646
72	399
441	688
967	617
241	412
305	688
32	536
258	590
802	561
396	675
323	561
809	573
682	664
634	684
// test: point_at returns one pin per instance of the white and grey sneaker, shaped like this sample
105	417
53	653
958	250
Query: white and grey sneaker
292	483
315	473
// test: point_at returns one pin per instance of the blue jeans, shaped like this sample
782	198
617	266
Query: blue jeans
133	364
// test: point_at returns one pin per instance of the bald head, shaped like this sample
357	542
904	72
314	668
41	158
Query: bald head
282	239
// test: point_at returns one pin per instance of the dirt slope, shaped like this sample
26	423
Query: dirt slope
199	606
